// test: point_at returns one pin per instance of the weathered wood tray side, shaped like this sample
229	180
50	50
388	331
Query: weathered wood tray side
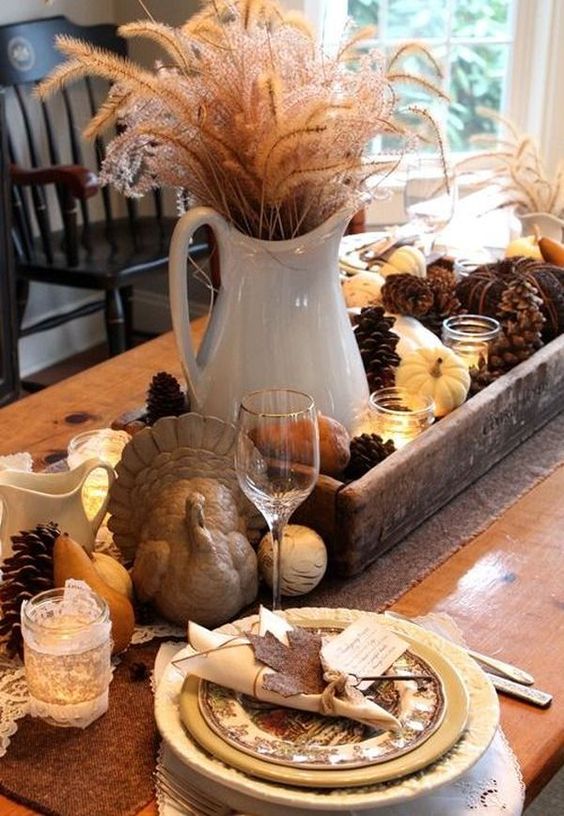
363	519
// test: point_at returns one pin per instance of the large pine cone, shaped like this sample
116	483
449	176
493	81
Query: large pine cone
28	571
522	323
406	294
165	398
367	451
481	291
377	343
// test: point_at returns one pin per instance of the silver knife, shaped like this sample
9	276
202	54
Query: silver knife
506	669
535	696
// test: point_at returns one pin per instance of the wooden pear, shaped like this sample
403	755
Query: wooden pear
71	561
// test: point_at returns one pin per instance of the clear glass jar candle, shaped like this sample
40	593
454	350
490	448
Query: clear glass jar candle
105	444
67	652
399	415
469	336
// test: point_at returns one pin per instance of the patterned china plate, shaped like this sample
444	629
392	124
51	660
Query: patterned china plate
301	739
244	790
328	775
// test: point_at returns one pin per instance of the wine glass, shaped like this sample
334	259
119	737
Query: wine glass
277	459
430	193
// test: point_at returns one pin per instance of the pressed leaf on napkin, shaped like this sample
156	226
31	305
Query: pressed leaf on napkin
297	666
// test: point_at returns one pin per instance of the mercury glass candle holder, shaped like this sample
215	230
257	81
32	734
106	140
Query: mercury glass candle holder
67	651
105	444
469	336
399	415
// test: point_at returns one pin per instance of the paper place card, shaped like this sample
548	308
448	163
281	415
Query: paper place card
365	649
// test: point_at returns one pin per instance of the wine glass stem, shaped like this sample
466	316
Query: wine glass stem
277	530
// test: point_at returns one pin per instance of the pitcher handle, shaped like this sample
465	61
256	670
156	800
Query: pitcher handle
89	466
178	286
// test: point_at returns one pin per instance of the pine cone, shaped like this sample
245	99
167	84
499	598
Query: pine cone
441	277
28	571
482	376
481	292
406	294
522	322
445	302
165	398
367	451
377	344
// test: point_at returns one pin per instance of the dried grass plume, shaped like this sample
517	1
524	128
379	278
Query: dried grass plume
519	169
247	115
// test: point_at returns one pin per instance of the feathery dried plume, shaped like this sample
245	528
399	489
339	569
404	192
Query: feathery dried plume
518	168
248	115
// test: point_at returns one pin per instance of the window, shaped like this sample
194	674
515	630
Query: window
505	53
472	40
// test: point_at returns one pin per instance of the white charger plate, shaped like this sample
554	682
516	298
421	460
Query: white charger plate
276	799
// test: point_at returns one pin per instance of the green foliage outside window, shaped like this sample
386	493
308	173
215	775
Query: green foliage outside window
476	70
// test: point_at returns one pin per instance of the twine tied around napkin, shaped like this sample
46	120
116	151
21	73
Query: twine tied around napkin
340	685
230	661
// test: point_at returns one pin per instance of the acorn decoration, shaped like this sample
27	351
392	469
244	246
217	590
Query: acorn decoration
367	451
407	294
165	398
28	571
377	345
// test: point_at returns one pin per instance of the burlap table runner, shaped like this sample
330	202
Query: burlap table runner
106	769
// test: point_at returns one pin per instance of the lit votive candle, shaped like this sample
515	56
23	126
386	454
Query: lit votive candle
105	444
67	651
399	415
469	336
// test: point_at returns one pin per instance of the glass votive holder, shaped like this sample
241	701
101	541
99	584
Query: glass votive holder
399	415
105	444
469	337
67	653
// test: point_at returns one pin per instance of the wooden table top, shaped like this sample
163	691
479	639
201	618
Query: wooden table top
505	589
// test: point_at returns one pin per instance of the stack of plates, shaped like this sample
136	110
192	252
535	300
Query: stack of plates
352	249
278	760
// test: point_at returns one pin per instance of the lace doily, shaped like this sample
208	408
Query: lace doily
14	698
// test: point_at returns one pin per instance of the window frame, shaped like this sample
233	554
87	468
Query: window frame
535	93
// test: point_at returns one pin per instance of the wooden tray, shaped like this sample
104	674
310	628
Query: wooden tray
361	520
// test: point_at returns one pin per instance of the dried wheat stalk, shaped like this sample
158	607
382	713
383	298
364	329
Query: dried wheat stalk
519	169
247	115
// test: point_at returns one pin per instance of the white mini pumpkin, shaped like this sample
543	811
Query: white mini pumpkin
303	560
363	289
436	373
405	260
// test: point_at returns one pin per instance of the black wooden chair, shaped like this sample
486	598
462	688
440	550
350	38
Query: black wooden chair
9	374
67	230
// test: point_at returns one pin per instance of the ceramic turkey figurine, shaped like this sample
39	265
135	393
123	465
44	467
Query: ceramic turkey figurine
190	558
193	564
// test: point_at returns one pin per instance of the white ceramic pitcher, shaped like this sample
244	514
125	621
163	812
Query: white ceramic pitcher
29	499
279	320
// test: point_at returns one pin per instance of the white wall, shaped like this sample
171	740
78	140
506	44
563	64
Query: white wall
84	12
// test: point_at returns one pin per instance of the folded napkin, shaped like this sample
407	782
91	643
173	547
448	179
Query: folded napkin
230	661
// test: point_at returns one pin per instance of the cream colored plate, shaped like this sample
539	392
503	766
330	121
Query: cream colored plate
435	746
289	798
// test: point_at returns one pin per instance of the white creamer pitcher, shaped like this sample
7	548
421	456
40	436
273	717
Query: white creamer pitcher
29	499
279	320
